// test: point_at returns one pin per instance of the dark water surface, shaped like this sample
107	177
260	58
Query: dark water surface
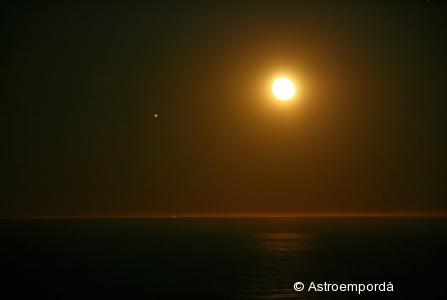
221	258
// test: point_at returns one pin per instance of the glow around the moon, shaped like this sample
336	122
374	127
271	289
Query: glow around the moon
283	88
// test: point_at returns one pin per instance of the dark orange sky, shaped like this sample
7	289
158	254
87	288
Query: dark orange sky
81	82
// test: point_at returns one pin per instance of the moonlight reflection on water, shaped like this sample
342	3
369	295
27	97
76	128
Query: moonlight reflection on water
282	259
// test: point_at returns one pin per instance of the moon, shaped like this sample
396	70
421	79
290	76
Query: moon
283	88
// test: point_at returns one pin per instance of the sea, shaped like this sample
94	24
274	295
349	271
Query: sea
224	258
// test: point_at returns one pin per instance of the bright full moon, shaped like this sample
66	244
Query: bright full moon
283	89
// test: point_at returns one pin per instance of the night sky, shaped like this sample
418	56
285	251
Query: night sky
81	82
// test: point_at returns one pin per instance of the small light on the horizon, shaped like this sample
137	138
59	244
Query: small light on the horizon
156	116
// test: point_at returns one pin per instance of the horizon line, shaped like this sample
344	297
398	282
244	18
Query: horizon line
227	215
